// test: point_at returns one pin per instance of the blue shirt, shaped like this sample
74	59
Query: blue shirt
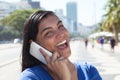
101	40
85	72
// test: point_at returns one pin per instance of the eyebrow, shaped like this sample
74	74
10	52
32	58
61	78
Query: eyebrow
50	27
59	22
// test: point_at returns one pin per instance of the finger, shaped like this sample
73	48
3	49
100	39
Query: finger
61	58
47	58
65	60
54	57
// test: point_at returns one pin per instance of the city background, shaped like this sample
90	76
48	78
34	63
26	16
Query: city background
93	21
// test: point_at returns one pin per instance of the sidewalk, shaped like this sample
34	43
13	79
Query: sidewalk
108	66
107	62
107	48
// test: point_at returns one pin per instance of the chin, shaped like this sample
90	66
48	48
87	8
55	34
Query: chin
66	53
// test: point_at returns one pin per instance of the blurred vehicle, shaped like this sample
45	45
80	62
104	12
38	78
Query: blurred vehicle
17	40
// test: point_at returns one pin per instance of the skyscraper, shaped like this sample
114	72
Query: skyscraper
71	12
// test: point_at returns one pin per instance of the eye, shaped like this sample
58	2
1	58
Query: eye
48	34
61	27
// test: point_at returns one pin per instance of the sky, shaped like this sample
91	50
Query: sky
89	12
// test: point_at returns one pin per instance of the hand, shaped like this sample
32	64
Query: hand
57	66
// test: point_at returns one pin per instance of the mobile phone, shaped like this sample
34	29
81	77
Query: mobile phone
35	52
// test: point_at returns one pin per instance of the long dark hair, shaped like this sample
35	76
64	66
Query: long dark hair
29	33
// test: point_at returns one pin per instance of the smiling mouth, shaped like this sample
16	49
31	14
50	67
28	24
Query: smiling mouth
62	45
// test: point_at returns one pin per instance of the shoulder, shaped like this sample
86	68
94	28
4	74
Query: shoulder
29	74
84	66
35	73
88	70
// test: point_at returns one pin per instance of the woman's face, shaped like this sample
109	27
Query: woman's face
53	36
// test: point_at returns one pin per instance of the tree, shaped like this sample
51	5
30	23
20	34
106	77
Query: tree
112	17
16	20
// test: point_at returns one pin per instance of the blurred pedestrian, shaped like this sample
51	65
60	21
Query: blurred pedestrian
93	42
86	42
112	44
102	42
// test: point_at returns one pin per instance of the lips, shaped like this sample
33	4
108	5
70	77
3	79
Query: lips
62	45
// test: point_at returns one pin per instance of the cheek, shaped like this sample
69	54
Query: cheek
49	44
66	33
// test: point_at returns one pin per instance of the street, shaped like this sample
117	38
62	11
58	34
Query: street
9	55
107	63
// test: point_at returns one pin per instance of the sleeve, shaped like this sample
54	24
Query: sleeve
87	71
28	75
93	73
27	78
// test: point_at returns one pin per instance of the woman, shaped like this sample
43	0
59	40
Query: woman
47	30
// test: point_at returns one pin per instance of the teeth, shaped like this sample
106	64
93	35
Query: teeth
63	42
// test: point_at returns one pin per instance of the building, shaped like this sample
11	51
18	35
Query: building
71	11
29	4
71	14
59	13
86	30
7	8
33	4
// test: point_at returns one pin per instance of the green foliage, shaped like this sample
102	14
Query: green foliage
112	17
6	35
16	19
15	22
